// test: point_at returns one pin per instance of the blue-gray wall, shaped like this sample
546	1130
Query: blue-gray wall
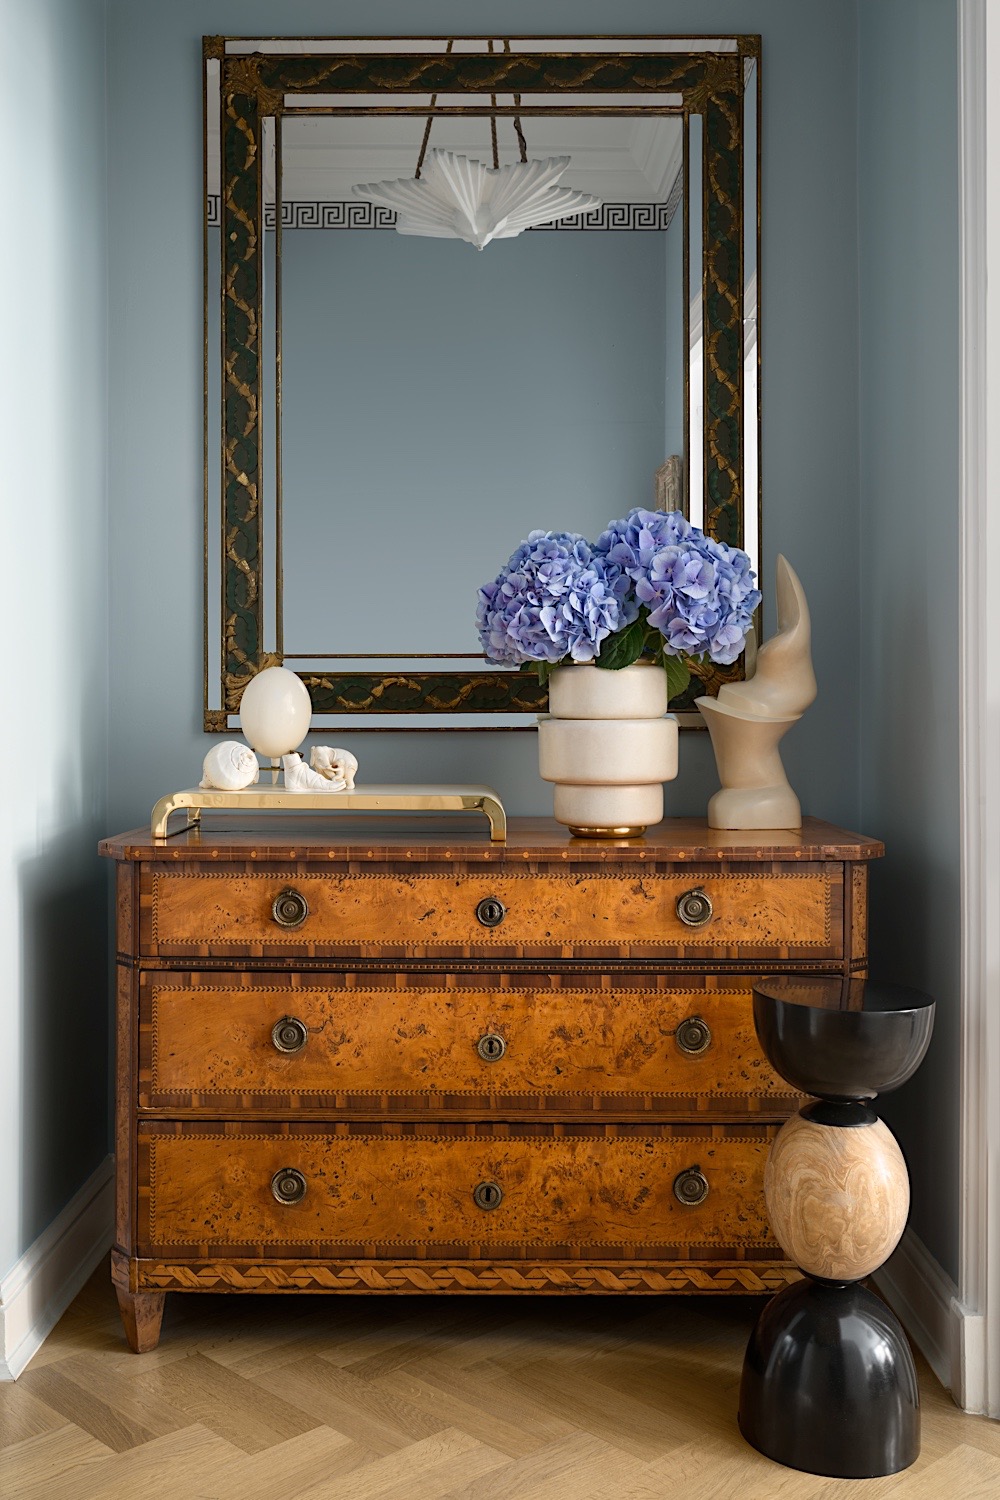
908	557
810	439
881	589
53	613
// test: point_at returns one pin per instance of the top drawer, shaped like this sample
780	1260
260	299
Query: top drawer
280	912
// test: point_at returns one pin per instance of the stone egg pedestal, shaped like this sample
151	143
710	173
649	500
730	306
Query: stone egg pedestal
829	1385
608	744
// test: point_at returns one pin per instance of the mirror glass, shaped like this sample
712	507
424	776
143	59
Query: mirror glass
440	402
424	405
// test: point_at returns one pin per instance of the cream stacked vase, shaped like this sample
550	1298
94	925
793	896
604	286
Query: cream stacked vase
608	745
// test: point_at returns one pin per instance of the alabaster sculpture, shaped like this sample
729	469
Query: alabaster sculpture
229	767
302	778
748	720
335	764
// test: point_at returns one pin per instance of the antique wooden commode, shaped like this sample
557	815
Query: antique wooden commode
393	1057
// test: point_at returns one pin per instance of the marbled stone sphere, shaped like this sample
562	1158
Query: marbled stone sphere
837	1197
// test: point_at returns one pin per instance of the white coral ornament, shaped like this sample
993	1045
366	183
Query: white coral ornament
300	778
229	767
458	198
335	764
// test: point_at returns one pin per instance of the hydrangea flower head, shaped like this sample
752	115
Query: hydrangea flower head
700	593
552	600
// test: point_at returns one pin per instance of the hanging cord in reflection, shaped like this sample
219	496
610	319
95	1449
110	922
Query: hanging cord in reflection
521	142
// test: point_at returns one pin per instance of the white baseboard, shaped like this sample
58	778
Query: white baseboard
39	1288
926	1301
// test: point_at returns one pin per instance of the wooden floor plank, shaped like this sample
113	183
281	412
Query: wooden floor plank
23	1415
406	1475
633	1427
38	1464
235	1409
288	1470
480	1420
965	1473
563	1470
176	1467
337	1400
111	1410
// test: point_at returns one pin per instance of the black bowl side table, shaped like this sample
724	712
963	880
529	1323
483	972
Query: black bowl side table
829	1385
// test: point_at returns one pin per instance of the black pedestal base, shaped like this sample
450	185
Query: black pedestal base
829	1384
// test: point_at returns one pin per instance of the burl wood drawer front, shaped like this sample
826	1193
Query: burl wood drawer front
264	913
205	1191
220	1042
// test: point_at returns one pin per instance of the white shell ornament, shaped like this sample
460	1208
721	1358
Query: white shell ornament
335	764
229	767
300	778
275	711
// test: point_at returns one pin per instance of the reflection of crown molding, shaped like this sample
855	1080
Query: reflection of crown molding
360	215
659	155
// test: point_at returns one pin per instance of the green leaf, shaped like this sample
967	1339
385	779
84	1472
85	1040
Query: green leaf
678	676
622	649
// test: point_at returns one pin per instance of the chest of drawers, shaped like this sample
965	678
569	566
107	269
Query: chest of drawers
370	1056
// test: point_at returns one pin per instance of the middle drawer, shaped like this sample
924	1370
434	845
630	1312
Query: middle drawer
632	1043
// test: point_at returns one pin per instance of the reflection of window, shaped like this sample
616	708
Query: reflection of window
750	539
696	439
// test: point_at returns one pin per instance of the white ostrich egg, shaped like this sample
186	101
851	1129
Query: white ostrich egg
275	711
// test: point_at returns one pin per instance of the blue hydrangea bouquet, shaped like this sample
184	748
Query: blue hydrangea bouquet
652	588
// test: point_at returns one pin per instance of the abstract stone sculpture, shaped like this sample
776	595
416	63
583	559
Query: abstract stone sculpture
748	719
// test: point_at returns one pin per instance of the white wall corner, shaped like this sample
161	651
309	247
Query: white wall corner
978	1386
926	1301
40	1286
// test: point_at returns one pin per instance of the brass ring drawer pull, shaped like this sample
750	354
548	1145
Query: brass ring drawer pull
487	1195
490	912
695	907
289	1034
491	1047
694	1035
691	1187
288	1185
290	908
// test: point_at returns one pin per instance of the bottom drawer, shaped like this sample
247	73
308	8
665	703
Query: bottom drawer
464	1191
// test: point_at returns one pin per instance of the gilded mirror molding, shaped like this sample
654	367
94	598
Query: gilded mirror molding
259	82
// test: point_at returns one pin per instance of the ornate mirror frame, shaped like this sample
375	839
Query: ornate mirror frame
252	82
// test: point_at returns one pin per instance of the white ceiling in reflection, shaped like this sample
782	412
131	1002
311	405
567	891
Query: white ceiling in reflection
627	159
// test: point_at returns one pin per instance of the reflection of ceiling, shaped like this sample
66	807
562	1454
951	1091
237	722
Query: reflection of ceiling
620	161
623	160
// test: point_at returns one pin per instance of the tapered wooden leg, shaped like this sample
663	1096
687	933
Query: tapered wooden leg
142	1314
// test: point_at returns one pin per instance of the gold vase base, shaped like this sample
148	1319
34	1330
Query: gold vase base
625	831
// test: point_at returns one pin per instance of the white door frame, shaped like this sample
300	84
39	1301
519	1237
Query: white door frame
979	1247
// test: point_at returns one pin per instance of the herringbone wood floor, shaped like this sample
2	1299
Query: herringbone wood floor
367	1398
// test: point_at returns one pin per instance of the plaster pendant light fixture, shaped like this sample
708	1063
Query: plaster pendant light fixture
458	198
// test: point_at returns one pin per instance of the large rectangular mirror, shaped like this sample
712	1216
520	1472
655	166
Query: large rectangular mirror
387	415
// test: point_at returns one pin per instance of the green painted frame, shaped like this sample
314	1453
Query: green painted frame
255	86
